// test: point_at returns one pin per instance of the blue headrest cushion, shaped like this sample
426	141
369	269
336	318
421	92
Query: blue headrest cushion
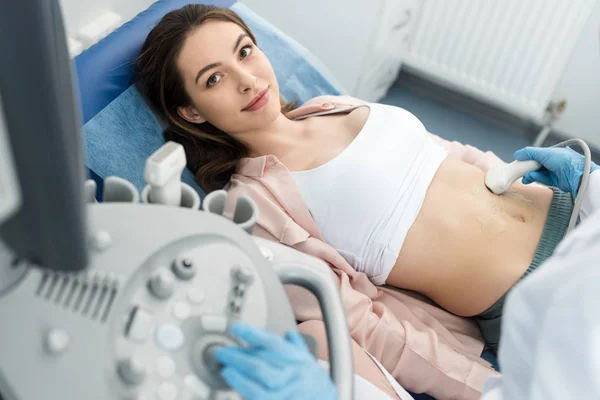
125	133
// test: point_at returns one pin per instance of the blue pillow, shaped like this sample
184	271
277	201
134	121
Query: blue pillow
125	133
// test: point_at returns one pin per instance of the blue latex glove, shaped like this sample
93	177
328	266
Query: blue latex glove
273	368
562	167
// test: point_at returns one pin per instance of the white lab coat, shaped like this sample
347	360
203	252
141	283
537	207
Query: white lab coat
550	346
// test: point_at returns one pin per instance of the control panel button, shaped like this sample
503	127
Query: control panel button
169	337
214	323
239	290
167	391
181	310
184	268
195	386
132	371
242	274
236	305
100	240
139	325
165	367
267	253
196	295
162	284
57	341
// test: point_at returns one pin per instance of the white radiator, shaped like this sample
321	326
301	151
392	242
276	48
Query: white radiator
510	53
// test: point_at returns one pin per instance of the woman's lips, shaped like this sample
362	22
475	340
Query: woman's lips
259	101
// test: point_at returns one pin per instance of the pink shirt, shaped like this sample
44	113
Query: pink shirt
425	348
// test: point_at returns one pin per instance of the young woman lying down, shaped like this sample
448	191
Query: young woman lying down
381	190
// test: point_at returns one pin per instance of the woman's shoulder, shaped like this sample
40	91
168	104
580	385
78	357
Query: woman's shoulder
324	103
343	100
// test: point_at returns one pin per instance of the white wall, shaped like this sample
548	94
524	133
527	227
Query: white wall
337	32
580	86
78	13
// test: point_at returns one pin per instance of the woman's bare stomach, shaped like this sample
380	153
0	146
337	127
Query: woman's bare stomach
467	246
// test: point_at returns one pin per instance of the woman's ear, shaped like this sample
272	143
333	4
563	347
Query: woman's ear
190	114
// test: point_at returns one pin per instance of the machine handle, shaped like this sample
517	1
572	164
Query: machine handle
336	327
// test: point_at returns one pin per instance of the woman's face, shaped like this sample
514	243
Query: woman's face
229	80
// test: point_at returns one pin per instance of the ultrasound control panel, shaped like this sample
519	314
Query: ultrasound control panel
143	321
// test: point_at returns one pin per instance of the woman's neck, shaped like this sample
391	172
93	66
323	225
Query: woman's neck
279	139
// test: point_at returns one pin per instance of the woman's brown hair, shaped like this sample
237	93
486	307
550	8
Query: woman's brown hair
211	154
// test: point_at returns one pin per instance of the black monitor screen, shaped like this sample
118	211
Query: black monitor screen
41	117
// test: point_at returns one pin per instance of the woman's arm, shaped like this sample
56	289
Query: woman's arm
420	358
363	364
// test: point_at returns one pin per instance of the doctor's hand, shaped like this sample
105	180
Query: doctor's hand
562	167
273	368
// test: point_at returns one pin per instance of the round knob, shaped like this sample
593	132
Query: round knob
132	371
170	337
184	268
242	274
196	295
161	284
209	357
236	305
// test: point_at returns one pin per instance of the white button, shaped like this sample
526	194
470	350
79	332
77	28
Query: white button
101	240
140	325
199	388
181	310
242	274
167	391
57	341
215	323
196	295
169	337
267	253
165	366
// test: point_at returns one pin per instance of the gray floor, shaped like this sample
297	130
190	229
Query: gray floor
453	124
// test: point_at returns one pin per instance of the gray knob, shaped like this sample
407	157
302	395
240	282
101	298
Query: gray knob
239	290
132	371
236	305
209	357
161	284
184	268
242	274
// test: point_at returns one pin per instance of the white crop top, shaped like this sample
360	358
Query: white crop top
365	200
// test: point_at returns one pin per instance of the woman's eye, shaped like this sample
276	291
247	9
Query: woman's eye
245	51
213	80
